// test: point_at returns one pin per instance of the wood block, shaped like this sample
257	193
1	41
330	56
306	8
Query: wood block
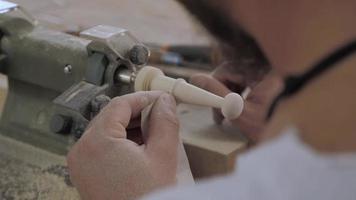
211	149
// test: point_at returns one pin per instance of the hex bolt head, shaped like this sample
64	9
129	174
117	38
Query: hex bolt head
139	54
61	124
99	103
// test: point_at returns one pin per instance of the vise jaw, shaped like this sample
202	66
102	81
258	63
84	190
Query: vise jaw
58	82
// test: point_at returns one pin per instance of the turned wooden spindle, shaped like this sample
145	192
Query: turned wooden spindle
151	78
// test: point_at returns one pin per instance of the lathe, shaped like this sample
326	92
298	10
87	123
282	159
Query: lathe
59	82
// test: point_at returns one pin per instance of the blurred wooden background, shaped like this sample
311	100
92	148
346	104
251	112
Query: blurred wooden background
161	21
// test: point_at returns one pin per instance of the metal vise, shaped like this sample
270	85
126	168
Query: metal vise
59	82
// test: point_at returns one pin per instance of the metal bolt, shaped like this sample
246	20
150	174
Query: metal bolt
79	129
60	124
99	103
78	133
139	54
68	69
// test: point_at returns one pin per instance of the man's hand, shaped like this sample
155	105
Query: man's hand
104	164
252	120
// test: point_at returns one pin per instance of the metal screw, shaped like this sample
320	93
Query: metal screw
78	133
139	54
60	124
68	69
79	129
99	103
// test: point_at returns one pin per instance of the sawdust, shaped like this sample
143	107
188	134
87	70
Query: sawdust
28	173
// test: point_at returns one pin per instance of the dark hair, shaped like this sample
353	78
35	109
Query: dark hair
224	29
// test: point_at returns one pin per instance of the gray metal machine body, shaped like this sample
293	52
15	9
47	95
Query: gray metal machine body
58	82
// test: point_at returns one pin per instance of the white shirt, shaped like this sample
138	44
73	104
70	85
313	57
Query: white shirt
282	169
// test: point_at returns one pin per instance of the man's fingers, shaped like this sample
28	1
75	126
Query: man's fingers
265	91
162	134
223	74
115	117
210	84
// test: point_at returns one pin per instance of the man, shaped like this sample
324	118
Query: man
310	152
